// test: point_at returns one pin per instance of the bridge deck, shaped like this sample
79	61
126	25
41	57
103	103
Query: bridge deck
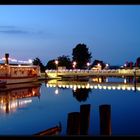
80	73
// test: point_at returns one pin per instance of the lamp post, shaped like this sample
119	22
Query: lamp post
125	66
74	64
135	78
99	66
106	66
88	64
56	62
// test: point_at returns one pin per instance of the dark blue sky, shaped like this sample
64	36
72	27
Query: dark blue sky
111	32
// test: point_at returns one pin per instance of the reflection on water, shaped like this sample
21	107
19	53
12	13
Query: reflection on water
17	96
94	83
95	107
81	94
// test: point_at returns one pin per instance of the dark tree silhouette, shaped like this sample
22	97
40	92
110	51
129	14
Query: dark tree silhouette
137	62
81	55
51	64
37	61
129	65
65	61
81	94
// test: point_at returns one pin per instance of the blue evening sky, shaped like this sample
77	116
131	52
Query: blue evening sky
111	32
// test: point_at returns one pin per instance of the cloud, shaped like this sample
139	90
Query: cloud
16	30
13	32
6	29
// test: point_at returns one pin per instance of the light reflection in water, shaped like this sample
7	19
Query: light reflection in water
11	100
94	83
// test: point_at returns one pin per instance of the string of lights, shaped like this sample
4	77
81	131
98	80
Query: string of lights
29	61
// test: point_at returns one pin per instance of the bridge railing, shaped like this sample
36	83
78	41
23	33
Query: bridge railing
118	71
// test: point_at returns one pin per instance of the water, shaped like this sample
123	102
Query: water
26	111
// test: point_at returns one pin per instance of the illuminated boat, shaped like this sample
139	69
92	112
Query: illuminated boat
14	73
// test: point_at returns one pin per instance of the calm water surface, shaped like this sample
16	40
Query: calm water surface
26	111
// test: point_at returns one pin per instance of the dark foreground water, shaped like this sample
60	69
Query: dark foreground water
26	111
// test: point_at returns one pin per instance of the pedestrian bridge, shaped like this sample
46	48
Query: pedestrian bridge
85	73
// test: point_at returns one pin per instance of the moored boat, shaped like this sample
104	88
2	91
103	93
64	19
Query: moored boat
15	73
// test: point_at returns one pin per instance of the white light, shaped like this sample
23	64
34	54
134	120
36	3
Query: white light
109	87
91	86
138	88
47	85
87	86
100	87
56	62
104	87
128	88
118	88
67	86
63	86
95	87
106	79
56	91
30	60
74	88
123	88
125	81
83	86
114	87
60	86
79	86
88	64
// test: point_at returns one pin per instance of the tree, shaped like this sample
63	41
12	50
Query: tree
81	94
51	64
65	61
81	56
38	62
138	62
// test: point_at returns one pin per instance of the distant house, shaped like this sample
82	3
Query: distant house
97	67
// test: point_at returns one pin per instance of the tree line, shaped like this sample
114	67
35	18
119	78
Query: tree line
80	58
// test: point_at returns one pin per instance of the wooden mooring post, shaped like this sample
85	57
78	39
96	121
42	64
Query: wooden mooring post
105	119
73	123
84	119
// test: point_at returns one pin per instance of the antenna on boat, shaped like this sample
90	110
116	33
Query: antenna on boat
6	58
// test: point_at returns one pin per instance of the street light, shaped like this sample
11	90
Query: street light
74	64
106	66
88	64
99	66
125	66
56	62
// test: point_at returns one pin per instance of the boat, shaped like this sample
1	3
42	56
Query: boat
51	131
18	73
